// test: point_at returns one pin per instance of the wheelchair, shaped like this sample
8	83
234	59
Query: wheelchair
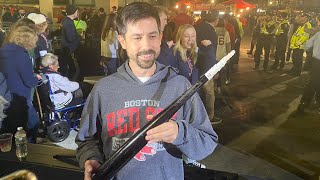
56	123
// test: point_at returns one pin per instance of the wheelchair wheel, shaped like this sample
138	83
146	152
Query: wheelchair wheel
58	131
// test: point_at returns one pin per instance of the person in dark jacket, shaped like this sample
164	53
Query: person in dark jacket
40	27
233	21
282	41
70	41
207	42
17	68
165	57
264	41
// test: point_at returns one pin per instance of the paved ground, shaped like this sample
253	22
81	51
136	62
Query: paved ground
259	136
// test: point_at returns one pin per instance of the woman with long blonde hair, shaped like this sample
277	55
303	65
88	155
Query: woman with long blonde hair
185	51
17	68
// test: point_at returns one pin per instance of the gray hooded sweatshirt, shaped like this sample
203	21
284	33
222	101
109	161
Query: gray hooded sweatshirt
123	102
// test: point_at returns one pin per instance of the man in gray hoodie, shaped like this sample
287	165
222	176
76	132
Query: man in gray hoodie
125	101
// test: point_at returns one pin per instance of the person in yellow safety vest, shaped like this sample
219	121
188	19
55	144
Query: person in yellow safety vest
240	27
298	40
264	40
282	39
81	27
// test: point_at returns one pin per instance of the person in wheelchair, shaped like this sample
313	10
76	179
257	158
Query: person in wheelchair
63	91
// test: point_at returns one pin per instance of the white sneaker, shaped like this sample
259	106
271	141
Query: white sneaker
197	164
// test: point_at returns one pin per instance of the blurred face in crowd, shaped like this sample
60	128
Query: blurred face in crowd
142	41
163	21
54	66
22	12
303	19
268	18
77	14
42	27
188	39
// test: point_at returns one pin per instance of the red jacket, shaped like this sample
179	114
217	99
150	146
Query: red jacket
229	27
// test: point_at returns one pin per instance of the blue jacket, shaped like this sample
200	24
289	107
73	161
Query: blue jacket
70	38
17	68
166	56
185	70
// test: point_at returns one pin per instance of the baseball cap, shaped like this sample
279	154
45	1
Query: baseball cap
37	18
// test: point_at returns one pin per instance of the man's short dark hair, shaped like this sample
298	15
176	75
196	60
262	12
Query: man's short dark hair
134	12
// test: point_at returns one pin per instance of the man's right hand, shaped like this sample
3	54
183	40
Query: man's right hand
90	167
206	42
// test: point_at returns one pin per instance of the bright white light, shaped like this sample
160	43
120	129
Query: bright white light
177	6
241	10
261	10
212	1
247	8
188	6
197	12
222	13
270	2
238	15
231	13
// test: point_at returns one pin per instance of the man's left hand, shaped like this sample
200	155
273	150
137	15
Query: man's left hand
166	132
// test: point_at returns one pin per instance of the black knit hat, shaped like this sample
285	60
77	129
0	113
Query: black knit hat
71	9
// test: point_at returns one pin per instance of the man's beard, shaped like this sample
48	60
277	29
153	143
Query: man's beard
146	64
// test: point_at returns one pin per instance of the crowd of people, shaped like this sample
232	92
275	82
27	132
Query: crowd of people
25	60
149	57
